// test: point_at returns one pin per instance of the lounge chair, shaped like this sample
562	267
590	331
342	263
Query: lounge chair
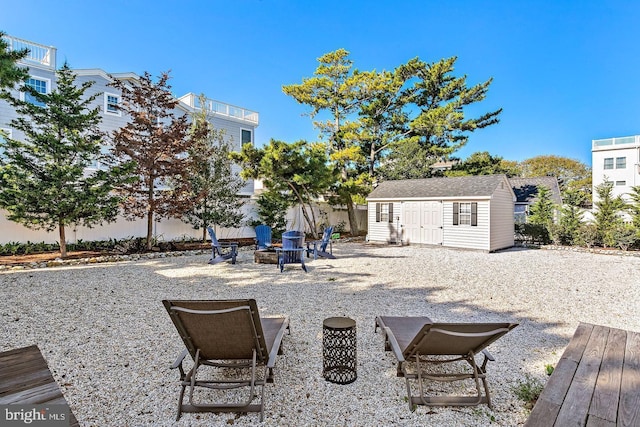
292	251
419	345
222	251
236	344
25	379
263	237
320	246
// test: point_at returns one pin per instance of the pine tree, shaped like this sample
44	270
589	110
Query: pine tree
43	180
606	213
157	142
541	212
214	184
10	72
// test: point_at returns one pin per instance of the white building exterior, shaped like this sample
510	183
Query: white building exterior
238	124
616	160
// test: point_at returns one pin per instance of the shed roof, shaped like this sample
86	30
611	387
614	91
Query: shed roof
526	189
462	186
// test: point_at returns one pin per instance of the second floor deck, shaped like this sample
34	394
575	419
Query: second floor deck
38	54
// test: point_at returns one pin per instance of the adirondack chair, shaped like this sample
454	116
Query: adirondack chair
320	246
222	251
292	251
263	236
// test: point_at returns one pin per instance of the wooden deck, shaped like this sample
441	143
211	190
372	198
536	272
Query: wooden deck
596	382
26	379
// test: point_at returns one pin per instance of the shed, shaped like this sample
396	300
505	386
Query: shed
474	212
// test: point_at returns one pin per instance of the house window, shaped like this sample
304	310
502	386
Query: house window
40	86
608	163
520	213
621	162
246	136
465	214
384	212
621	182
111	102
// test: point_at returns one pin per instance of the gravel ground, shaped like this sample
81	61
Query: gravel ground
109	342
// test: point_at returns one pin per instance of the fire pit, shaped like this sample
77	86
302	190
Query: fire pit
265	256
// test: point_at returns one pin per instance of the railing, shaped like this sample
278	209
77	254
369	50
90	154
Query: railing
221	108
38	54
615	141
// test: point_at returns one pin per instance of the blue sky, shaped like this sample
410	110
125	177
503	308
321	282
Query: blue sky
565	72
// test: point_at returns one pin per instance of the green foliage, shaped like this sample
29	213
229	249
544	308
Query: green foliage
571	215
587	235
528	390
607	213
541	213
10	72
483	163
634	207
548	369
624	236
43	183
298	171
533	233
214	184
272	211
570	173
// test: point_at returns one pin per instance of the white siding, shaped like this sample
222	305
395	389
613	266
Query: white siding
466	236
383	231
502	223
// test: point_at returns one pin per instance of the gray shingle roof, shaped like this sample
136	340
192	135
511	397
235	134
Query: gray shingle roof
526	189
463	186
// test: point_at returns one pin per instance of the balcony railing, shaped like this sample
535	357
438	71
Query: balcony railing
221	108
38	54
626	140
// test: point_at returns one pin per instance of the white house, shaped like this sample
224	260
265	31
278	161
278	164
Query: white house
616	160
238	123
474	212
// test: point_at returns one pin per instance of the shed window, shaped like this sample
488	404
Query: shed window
465	214
384	212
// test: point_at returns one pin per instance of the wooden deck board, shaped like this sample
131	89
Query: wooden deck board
629	407
596	382
25	378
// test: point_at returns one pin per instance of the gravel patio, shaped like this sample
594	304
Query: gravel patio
109	341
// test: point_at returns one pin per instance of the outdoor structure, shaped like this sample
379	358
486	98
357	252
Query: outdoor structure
616	160
526	191
474	212
238	124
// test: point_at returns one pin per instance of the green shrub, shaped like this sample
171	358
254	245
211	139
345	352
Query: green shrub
528	390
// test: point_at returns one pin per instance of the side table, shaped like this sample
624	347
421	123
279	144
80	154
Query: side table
339	350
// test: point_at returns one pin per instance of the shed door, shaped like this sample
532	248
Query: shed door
422	222
411	219
431	213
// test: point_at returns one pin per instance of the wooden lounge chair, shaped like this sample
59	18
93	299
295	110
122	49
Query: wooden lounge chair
263	237
222	251
25	379
292	251
420	345
320	246
237	349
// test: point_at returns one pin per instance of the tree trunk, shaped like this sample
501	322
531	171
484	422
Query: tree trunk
353	221
63	240
150	213
204	234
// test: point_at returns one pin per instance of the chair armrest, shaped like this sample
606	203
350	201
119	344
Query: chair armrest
180	358
487	357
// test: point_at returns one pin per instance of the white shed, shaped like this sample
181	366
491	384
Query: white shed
474	212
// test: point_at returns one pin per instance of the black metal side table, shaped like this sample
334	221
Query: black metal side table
339	350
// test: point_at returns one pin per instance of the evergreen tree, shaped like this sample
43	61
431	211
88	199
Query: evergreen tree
43	180
438	126
214	184
297	171
338	91
272	211
571	215
606	214
157	142
542	211
483	163
10	73
634	208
